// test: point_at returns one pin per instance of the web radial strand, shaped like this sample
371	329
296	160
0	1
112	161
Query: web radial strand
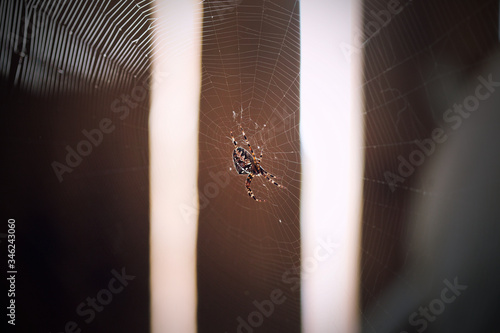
250	79
413	73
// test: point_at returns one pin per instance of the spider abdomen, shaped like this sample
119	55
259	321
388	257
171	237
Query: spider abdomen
243	162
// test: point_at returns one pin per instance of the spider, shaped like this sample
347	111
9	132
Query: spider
246	163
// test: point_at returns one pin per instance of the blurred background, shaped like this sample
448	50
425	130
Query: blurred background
379	118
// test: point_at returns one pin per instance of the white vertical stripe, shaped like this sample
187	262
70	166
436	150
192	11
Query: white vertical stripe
174	163
332	167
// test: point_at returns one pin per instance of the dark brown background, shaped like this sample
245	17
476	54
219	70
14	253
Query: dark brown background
72	234
250	61
411	69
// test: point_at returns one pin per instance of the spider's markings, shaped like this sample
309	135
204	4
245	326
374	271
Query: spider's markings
245	163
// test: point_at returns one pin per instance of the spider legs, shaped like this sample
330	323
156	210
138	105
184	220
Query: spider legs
269	176
248	143
250	192
234	141
244	165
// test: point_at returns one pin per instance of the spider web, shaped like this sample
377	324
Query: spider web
55	49
62	64
250	78
250	71
242	78
413	68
